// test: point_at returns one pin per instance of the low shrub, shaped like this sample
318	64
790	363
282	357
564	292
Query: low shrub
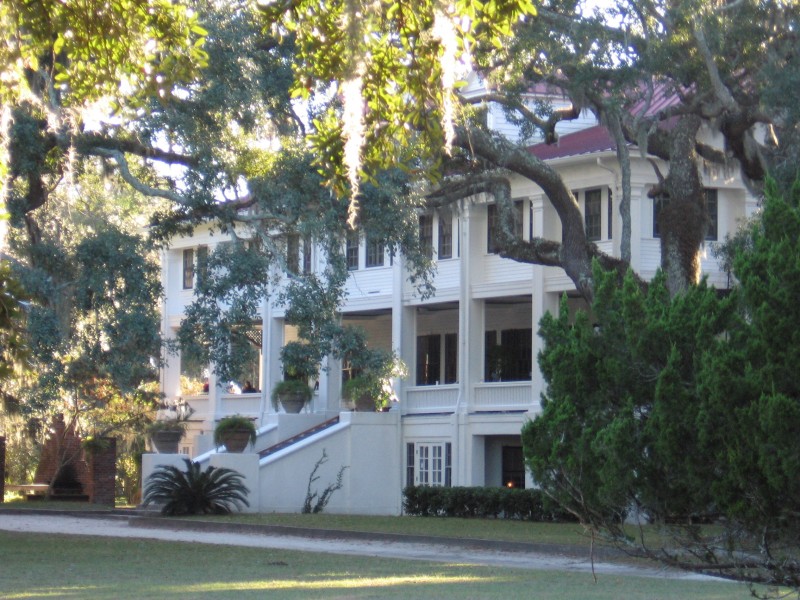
482	502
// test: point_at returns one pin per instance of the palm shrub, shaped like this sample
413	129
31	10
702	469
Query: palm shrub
216	490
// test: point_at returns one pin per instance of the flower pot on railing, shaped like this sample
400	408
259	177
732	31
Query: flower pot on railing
235	432
292	395
165	437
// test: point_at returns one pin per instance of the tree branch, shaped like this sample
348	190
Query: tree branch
134	182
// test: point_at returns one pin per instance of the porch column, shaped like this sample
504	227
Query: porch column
540	304
404	331
273	342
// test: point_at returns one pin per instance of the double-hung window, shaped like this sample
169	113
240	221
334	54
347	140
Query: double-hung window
593	215
351	250
426	235
375	253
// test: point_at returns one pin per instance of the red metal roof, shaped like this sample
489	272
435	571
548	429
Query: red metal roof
585	141
598	138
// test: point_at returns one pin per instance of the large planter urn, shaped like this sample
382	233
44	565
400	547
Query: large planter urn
235	432
166	441
365	403
292	403
236	440
292	395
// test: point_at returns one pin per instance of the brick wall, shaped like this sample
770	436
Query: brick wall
103	473
62	457
2	467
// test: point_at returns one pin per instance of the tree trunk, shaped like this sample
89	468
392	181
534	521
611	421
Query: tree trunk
682	221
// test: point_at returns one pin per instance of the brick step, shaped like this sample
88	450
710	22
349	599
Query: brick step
299	437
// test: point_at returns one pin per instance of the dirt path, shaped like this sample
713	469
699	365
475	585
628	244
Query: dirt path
122	527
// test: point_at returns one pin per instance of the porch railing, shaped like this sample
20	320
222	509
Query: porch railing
431	398
247	405
504	395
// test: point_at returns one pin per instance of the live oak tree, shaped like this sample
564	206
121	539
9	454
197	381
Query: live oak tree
62	64
380	91
722	67
683	411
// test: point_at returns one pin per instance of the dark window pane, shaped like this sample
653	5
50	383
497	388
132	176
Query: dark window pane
610	215
451	358
202	263
491	228
445	235
188	269
513	467
293	253
426	234
428	359
711	211
592	216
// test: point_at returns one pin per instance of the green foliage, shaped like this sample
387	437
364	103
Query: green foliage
232	423
14	350
166	425
194	491
619	420
395	49
97	48
685	408
482	503
374	380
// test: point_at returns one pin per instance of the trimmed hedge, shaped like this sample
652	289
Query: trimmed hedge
482	502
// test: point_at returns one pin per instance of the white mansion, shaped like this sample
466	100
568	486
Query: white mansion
470	350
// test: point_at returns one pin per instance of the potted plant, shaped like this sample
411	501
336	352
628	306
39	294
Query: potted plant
300	364
291	394
362	391
235	432
372	390
165	435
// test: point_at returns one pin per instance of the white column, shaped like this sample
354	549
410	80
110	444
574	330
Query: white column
539	304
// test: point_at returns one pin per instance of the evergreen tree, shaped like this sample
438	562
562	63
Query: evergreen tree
684	410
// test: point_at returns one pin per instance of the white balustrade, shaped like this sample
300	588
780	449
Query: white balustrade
431	398
247	405
503	395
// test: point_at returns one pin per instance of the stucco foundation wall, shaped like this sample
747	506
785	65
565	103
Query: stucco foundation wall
366	443
247	466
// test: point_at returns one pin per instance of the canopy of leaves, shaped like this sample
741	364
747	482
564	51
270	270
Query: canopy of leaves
683	409
93	321
98	48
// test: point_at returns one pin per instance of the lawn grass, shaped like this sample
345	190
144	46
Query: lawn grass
482	529
37	565
14	502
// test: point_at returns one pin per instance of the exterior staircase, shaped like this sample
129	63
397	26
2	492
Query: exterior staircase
299	437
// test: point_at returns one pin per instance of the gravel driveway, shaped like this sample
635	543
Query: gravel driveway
151	529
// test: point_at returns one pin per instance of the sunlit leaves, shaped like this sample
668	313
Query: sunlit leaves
397	53
100	47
